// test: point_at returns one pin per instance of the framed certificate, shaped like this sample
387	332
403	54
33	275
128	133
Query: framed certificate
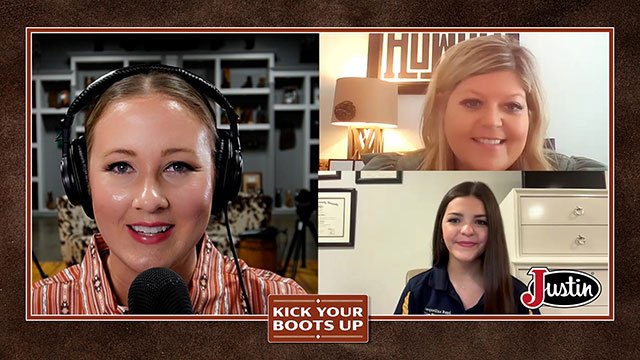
336	217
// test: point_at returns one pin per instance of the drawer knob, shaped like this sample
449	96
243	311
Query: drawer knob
581	240
579	211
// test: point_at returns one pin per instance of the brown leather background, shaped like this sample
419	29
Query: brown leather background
436	339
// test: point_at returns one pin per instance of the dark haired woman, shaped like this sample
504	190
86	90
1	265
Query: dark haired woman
470	273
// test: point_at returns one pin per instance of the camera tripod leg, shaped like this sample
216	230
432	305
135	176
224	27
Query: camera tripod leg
312	229
303	247
35	260
292	246
300	247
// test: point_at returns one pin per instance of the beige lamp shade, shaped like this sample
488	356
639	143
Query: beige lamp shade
365	102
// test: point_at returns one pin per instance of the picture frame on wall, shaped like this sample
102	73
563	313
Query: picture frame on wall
345	164
378	177
387	56
252	182
337	217
329	175
340	165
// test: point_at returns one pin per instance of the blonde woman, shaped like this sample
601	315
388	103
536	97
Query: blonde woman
484	111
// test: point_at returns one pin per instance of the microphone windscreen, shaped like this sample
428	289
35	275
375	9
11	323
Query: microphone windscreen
159	291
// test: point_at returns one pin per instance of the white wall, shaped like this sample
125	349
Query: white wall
573	71
394	226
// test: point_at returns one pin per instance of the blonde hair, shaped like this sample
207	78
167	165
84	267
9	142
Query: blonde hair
150	84
479	56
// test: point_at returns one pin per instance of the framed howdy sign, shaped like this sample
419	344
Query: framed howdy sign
409	59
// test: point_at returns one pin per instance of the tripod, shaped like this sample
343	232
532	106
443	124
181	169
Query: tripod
297	247
35	260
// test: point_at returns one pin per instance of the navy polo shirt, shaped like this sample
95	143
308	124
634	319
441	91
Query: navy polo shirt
431	293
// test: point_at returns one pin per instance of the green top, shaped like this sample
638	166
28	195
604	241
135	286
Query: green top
412	160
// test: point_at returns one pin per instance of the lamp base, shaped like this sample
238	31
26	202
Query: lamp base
364	141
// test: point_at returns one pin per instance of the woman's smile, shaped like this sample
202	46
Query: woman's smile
466	243
489	141
150	233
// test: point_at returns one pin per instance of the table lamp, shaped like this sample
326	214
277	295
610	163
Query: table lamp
367	106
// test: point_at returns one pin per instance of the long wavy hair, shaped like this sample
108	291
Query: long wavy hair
498	284
477	56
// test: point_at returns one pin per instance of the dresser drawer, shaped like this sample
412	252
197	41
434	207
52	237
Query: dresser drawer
563	210
599	273
564	240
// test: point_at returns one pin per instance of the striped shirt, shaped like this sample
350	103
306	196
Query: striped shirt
85	289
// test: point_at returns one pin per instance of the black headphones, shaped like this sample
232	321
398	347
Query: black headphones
228	158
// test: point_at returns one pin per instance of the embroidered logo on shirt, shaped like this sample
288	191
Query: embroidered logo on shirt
429	311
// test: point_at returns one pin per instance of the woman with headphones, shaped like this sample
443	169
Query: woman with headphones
148	170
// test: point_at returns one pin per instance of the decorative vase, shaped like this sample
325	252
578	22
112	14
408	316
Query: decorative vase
50	204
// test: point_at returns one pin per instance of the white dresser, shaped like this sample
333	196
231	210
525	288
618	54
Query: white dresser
559	229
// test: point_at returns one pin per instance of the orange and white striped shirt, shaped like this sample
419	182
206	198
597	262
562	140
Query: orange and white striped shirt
85	289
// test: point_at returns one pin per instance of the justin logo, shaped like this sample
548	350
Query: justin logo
560	288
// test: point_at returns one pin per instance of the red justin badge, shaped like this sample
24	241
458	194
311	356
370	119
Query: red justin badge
318	318
560	288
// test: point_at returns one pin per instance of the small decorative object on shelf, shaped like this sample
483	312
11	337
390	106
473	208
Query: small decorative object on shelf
316	95
261	115
252	182
248	83
288	198
58	99
262	83
290	95
88	80
246	117
50	204
237	110
278	200
226	78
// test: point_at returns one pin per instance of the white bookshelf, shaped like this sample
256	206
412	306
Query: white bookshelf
87	66
303	110
45	120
